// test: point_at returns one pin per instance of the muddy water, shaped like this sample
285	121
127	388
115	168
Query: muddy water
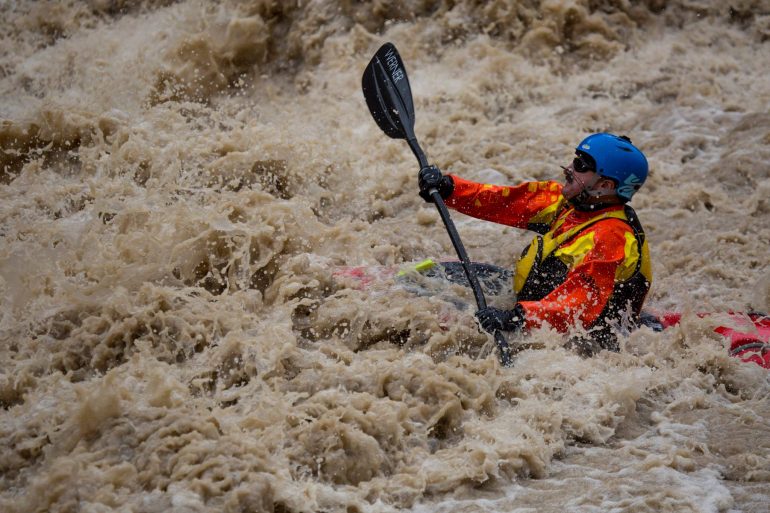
180	179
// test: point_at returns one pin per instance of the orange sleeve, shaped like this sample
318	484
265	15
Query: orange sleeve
588	285
509	205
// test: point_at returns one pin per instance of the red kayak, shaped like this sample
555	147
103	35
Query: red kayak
748	333
749	340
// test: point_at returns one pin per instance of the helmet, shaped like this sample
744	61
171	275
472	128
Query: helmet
616	158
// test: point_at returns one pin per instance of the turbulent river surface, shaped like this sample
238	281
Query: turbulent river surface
179	181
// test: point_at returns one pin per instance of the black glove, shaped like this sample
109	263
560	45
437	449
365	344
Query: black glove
493	319
430	177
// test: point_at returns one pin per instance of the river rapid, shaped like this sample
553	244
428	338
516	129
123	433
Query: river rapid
179	180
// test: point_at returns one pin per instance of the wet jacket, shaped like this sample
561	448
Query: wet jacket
589	268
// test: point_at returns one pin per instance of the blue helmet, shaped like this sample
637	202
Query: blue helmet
616	158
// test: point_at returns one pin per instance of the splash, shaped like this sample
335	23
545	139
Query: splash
180	180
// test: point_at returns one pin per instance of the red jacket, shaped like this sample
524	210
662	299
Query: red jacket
597	260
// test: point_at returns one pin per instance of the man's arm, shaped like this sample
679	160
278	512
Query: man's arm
510	205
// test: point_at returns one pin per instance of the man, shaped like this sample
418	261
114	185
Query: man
589	266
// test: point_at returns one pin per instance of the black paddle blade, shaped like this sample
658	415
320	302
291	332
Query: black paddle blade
388	95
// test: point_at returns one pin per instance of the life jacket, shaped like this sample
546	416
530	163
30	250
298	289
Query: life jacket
544	265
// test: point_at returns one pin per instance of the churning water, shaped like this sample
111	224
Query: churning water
178	181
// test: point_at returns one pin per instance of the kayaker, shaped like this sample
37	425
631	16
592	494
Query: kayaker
589	265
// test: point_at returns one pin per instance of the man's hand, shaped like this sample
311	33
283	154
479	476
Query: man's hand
494	319
430	177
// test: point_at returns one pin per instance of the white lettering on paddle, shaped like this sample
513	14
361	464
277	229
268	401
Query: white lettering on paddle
392	62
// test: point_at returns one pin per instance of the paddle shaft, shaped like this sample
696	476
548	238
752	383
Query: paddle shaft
481	302
443	211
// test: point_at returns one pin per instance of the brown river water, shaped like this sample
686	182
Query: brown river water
178	181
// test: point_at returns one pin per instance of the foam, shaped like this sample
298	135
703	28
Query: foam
179	180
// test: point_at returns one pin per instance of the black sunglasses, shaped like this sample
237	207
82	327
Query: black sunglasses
581	166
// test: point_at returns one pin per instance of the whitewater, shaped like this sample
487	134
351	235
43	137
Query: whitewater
179	181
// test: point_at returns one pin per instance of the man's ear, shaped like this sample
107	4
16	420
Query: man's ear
607	186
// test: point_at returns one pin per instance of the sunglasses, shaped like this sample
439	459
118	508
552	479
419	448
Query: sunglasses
581	166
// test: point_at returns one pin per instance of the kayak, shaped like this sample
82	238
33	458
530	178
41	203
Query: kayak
749	338
748	334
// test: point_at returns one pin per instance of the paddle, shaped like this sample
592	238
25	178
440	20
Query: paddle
389	98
